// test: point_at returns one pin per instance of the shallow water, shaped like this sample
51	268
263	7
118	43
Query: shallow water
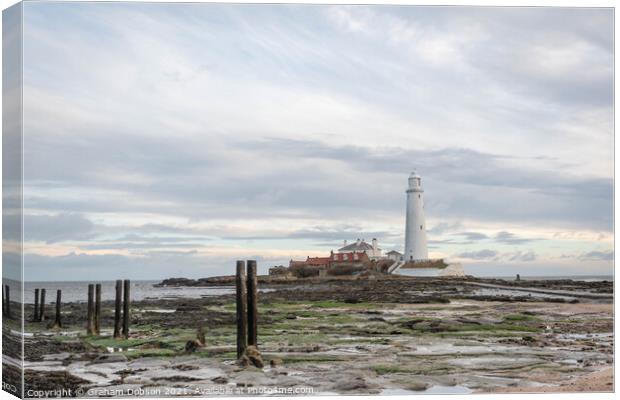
140	290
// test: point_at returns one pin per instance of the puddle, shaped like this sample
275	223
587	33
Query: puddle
573	336
20	333
439	389
517	293
100	374
56	357
435	389
70	333
495	362
451	349
118	349
46	366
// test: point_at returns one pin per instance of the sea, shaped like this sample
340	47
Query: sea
140	290
74	291
432	272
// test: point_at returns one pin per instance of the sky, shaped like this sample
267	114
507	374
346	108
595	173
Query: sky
168	140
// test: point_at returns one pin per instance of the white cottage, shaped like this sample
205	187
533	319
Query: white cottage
361	246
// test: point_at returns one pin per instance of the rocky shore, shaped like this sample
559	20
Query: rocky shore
391	335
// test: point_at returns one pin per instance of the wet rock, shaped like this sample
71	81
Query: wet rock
109	358
192	345
349	384
352	300
253	355
36	349
185	367
51	380
175	378
411	323
244	361
188	307
275	362
468	321
528	339
417	386
220	380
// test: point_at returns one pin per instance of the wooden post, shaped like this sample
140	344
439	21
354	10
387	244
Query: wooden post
7	290
3	302
35	315
118	308
42	306
97	308
242	309
57	320
90	317
252	304
126	300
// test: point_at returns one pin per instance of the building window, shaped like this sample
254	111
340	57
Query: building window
420	227
419	196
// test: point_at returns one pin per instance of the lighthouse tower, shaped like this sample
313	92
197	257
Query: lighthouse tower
415	230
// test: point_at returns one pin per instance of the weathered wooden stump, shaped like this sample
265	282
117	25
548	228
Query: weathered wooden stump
252	304
118	302
126	306
57	320
35	314
242	309
90	313
7	290
42	306
97	308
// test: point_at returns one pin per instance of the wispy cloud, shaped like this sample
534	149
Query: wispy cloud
597	256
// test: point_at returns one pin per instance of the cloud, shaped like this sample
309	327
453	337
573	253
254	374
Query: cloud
492	255
523	256
58	227
271	128
333	233
159	264
597	256
479	255
511	238
444	227
472	236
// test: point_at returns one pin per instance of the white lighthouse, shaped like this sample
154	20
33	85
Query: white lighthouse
415	230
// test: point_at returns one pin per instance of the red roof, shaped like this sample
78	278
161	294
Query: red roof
318	261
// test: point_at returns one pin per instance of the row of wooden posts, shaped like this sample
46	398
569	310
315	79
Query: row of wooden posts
247	306
39	307
122	305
